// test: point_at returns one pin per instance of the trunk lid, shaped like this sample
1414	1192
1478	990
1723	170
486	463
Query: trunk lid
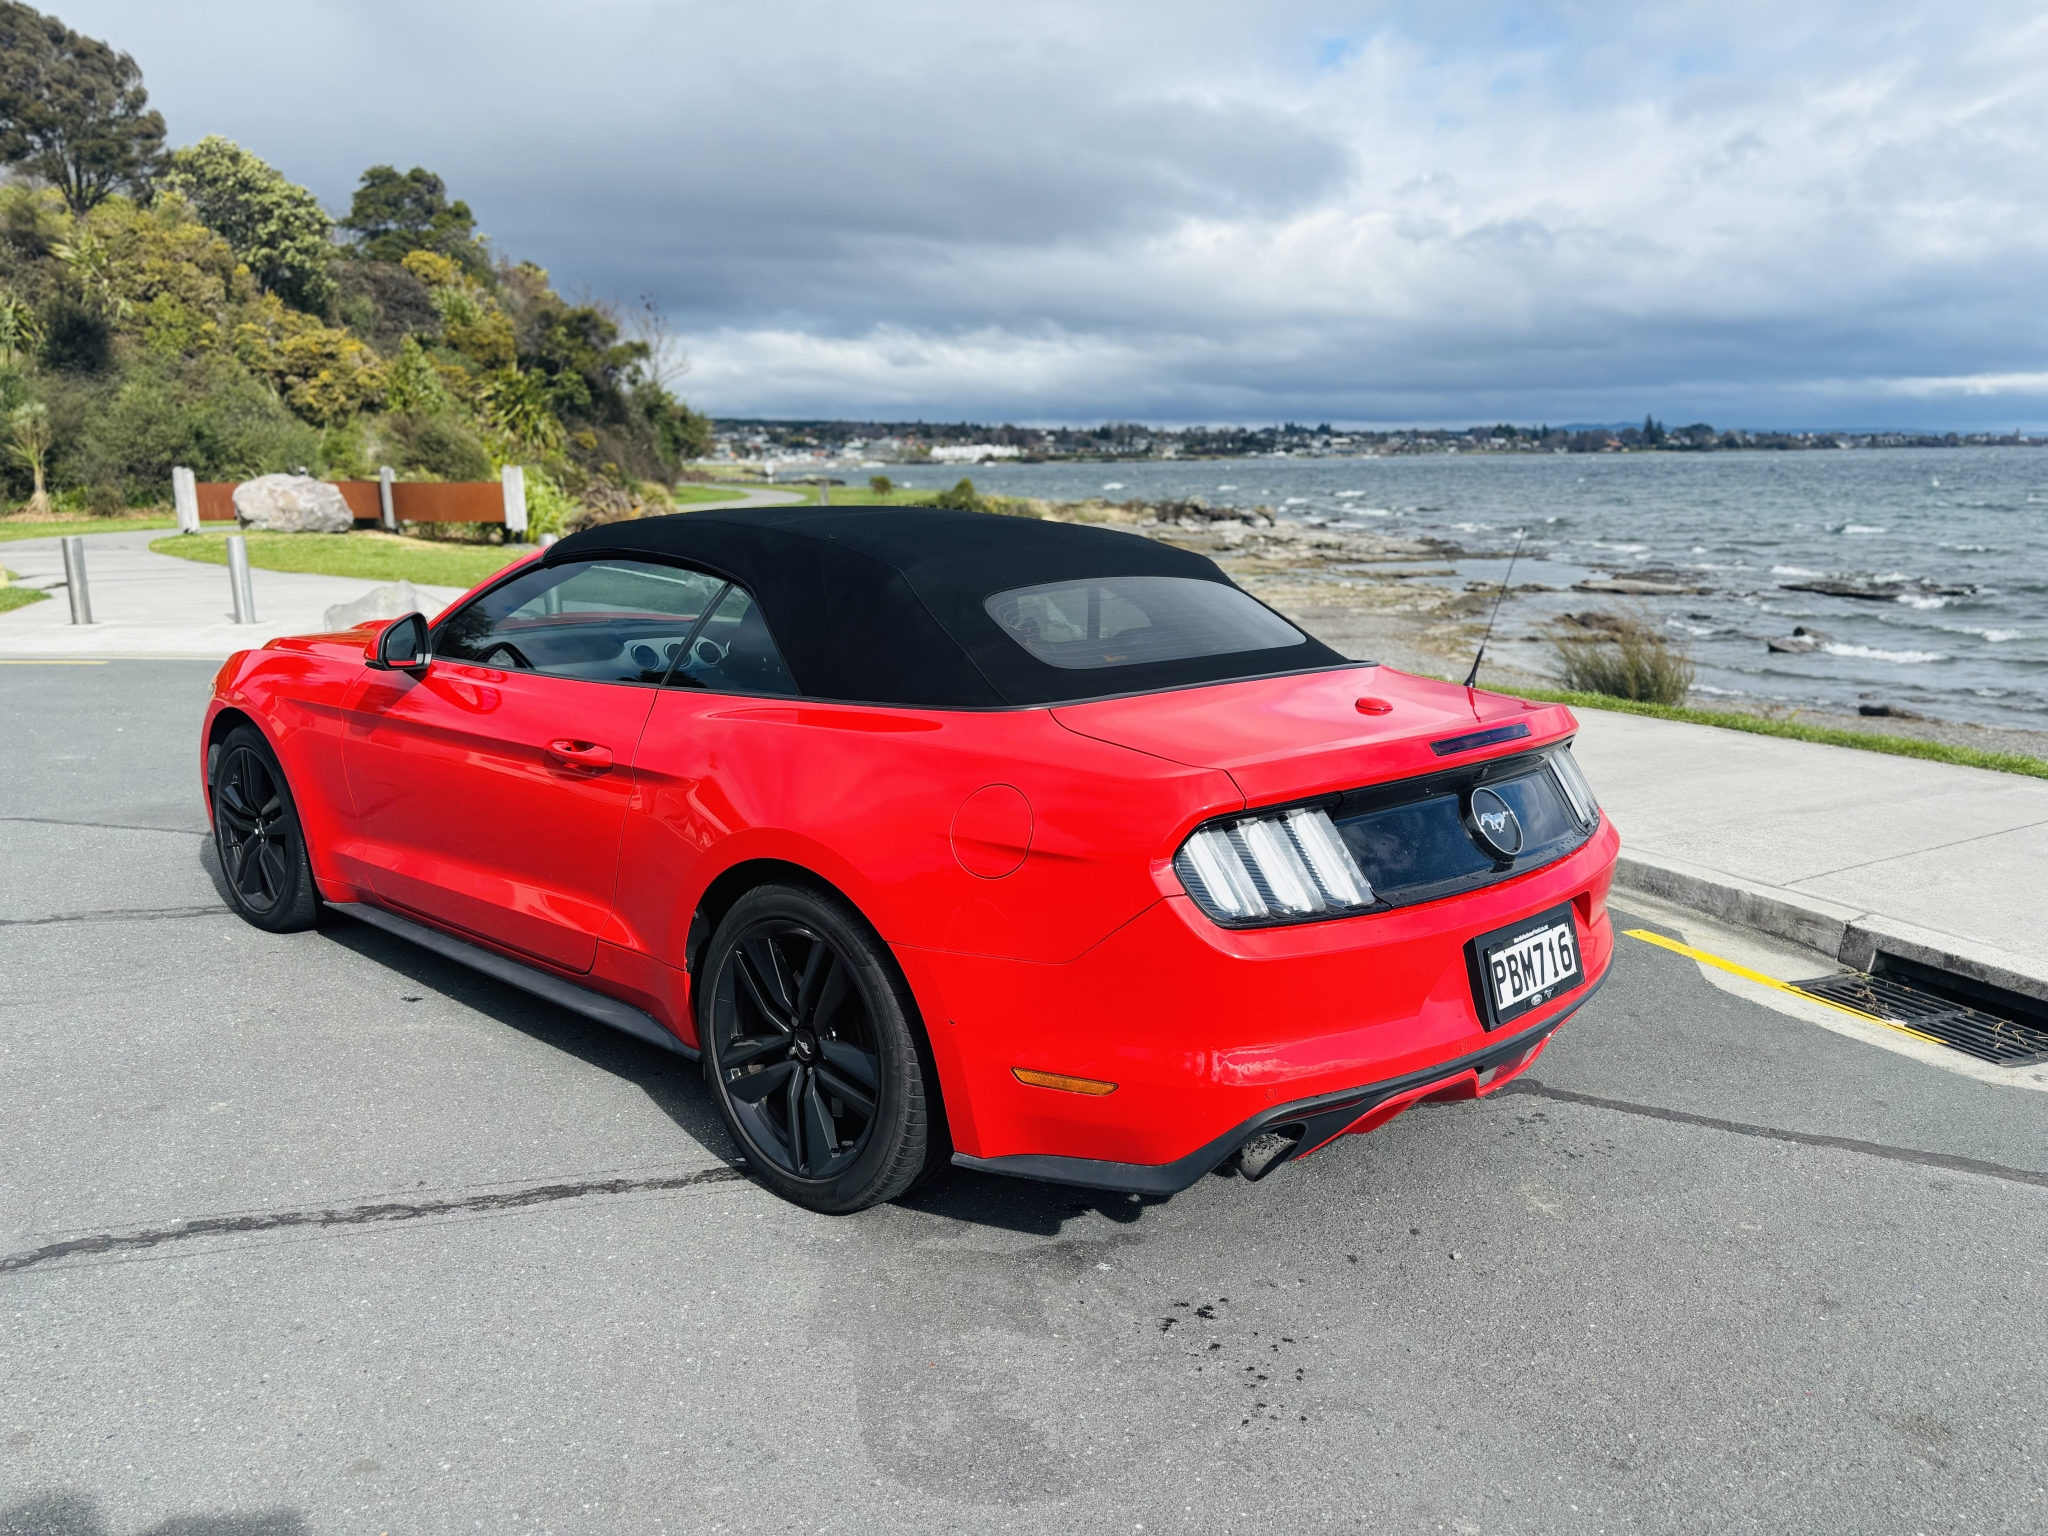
1285	738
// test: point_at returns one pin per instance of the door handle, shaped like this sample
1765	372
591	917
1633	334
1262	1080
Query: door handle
587	755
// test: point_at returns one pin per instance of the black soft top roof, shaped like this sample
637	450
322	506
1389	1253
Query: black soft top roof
884	604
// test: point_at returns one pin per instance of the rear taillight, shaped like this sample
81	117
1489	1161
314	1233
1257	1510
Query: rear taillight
1276	868
1577	792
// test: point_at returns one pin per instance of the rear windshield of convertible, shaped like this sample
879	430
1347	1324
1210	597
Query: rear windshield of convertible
1122	621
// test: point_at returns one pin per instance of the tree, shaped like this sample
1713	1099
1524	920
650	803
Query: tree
278	230
28	434
394	215
73	111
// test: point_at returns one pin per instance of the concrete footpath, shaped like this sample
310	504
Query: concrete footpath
1846	852
159	606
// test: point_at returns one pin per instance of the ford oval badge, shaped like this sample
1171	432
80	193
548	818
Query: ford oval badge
1494	825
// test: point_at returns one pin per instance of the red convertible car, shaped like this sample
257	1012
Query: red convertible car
1025	846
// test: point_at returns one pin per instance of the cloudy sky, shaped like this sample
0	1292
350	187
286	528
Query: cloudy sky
1828	213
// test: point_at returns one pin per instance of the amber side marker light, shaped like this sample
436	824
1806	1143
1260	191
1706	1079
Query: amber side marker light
1064	1084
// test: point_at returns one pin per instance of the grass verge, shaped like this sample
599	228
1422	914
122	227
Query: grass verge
689	495
12	597
11	530
372	556
1792	730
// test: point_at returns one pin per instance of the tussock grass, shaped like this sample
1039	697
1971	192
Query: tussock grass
1626	657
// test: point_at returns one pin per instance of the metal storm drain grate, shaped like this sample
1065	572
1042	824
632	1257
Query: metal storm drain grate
1991	1037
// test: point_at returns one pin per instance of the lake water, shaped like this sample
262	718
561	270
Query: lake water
1739	524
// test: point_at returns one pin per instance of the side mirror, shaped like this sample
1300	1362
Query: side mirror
400	646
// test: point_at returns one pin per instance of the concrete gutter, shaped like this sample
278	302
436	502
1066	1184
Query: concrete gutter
1851	936
1851	854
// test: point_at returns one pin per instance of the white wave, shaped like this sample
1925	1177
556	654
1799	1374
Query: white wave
1295	501
1623	549
1996	636
1921	600
1872	653
1113	485
1859	528
1726	693
1794	570
1226	487
1347	495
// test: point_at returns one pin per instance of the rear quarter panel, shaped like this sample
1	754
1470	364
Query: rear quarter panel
867	798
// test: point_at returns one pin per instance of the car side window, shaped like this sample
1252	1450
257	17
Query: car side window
604	621
734	653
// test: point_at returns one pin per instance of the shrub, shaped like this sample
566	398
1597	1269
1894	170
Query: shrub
548	507
881	485
76	339
1626	657
211	415
441	446
963	497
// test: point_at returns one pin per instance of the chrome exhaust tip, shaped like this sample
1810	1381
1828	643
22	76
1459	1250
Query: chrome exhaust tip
1268	1150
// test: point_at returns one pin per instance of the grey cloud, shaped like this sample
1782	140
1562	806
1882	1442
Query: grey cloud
1725	209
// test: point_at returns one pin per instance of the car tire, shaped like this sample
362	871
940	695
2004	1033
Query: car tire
814	1051
263	862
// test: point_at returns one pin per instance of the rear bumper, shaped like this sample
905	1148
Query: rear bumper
1210	1034
1310	1123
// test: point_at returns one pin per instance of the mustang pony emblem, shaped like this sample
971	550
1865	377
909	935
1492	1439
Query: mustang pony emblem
1494	825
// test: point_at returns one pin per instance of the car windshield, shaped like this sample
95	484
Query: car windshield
1118	621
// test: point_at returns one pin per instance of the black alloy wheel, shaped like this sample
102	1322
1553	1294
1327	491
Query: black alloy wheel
256	832
808	1038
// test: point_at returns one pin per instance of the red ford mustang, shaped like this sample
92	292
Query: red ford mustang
1036	848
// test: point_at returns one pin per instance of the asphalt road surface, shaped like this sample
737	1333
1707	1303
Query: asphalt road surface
322	1234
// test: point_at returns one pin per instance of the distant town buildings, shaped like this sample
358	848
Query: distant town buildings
793	447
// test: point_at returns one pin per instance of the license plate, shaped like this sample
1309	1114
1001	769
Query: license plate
1526	964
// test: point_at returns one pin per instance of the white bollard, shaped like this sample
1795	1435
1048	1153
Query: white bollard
238	579
384	478
824	493
74	580
185	498
513	478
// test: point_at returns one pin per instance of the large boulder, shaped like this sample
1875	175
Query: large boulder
292	504
394	600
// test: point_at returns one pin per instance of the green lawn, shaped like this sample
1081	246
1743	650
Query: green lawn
688	495
11	529
12	596
372	556
1757	725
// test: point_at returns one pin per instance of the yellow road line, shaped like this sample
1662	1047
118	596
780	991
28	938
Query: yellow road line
4	662
1772	982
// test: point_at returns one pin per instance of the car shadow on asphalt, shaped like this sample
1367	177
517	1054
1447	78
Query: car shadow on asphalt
56	1513
1024	1205
674	1084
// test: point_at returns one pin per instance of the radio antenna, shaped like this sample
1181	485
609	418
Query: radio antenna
1500	597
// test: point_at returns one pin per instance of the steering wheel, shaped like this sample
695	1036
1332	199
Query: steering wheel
512	654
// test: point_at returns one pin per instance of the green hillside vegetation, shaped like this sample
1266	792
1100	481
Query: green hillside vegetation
196	307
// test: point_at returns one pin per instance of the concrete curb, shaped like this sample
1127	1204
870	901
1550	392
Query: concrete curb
1850	936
